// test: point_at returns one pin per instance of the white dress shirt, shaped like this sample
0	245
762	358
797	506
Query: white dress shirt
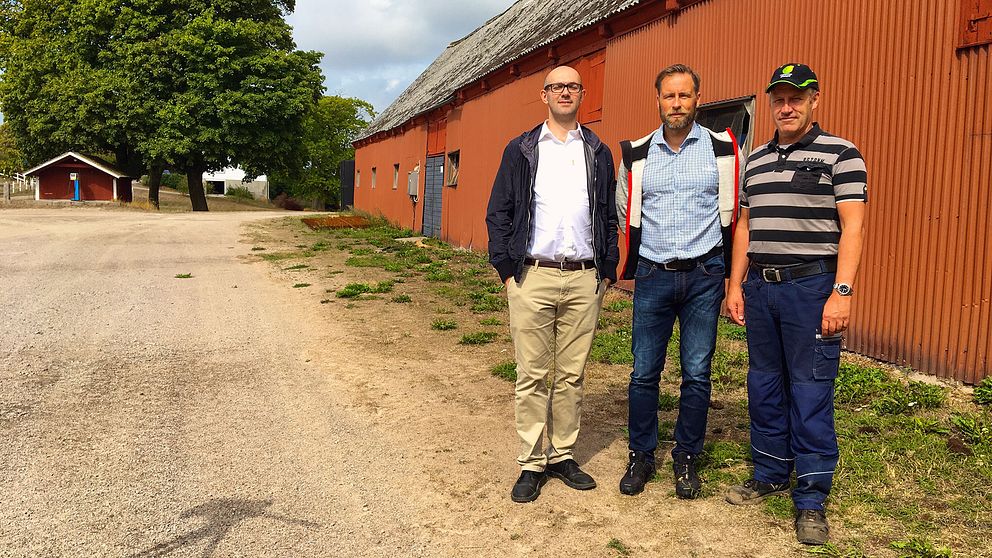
562	221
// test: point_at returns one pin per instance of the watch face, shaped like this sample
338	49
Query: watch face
843	289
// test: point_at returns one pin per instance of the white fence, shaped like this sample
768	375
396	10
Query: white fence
19	183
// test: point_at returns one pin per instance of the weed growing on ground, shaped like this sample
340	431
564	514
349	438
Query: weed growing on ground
667	402
506	370
355	290
301	285
257	248
618	305
920	548
490	322
983	392
479	338
483	301
613	347
729	369
402	299
617	545
277	256
722	463
443	325
833	551
729	330
295	267
184	276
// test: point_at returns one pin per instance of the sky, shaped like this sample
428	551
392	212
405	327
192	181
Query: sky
374	49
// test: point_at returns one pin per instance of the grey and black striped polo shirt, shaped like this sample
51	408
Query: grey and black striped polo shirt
792	194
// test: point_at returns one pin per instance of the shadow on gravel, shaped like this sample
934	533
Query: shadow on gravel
221	515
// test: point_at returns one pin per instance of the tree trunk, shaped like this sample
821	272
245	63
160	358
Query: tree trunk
194	180
154	182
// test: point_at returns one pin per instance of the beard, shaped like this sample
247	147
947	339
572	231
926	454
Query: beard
679	122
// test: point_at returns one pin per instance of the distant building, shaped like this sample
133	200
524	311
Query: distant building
220	182
74	176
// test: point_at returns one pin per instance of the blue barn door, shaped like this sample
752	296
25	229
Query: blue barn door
433	189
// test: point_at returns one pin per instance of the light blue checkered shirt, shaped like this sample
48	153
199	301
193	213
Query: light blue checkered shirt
680	211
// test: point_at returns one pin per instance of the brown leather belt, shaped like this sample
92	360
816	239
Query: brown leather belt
773	274
564	266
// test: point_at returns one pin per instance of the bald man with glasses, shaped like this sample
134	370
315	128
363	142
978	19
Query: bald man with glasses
553	240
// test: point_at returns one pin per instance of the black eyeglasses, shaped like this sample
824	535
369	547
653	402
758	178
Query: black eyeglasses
556	88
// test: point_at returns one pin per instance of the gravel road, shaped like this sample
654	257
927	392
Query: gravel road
144	415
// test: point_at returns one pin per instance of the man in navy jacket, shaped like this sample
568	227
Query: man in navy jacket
553	240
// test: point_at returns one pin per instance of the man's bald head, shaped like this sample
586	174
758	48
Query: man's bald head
562	74
563	93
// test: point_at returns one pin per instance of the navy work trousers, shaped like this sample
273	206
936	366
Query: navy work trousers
790	384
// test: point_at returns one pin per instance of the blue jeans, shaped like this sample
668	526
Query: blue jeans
790	385
660	297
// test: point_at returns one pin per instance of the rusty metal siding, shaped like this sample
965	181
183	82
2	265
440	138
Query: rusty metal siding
919	109
409	149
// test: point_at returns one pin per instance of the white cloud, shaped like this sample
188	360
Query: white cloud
373	49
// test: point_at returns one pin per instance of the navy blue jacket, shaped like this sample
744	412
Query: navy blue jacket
509	217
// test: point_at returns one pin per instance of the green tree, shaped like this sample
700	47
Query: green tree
11	158
328	132
195	85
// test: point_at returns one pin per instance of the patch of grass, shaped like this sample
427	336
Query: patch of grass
974	428
478	338
896	398
353	290
443	325
490	322
402	299
920	548
833	551
667	402
320	247
295	267
277	256
617	545
779	507
666	430
506	370
729	330
983	392
619	305
483	301
184	276
438	272
301	285
729	369
613	347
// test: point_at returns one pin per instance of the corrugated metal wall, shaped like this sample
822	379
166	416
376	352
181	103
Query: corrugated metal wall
920	111
893	82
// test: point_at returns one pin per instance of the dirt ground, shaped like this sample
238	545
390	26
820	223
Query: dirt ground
229	414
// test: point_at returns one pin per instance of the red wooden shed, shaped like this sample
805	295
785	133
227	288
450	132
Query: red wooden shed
74	176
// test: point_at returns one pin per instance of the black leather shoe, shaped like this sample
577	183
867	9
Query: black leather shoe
528	486
639	472
687	483
568	471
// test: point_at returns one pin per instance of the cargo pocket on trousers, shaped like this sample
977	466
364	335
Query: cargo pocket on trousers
826	358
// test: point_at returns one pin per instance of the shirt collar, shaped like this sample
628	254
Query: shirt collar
804	141
694	134
547	134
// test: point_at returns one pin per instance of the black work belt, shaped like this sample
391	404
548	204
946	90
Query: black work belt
685	265
777	274
564	266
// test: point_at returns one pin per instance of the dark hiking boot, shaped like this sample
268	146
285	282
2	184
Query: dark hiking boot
754	492
639	472
528	486
687	483
811	527
568	471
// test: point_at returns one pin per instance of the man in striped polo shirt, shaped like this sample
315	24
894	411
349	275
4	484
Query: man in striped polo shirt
795	258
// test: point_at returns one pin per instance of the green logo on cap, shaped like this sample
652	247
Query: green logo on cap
788	69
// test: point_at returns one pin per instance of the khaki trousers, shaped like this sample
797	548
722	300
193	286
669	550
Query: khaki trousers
553	315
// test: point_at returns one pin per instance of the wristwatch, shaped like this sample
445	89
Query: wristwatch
843	289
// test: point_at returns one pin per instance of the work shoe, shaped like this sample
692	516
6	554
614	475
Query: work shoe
811	527
687	484
639	472
568	471
754	491
528	486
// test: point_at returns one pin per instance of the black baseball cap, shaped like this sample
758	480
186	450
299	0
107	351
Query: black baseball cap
799	76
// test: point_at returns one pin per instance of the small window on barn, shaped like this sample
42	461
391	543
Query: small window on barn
454	158
592	68
358	179
373	178
396	175
734	114
976	23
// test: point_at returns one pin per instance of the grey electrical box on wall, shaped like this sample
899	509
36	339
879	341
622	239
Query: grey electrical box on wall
413	184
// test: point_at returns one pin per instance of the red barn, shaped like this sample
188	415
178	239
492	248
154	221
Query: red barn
97	180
